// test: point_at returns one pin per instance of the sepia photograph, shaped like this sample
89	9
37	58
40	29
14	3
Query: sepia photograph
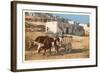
56	35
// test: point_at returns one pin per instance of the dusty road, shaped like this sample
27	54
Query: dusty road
75	53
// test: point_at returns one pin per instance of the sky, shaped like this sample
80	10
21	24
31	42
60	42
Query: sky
79	18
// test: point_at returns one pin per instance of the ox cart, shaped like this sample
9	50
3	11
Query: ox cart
66	44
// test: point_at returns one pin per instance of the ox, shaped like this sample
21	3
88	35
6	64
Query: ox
46	43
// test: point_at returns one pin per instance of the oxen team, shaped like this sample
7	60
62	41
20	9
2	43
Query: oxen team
47	43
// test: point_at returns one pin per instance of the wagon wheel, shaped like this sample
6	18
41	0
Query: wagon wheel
68	47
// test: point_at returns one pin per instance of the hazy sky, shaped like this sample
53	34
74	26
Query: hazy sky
78	18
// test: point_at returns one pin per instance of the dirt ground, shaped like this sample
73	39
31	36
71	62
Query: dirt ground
80	49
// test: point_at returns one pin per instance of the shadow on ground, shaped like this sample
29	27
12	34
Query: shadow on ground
72	51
